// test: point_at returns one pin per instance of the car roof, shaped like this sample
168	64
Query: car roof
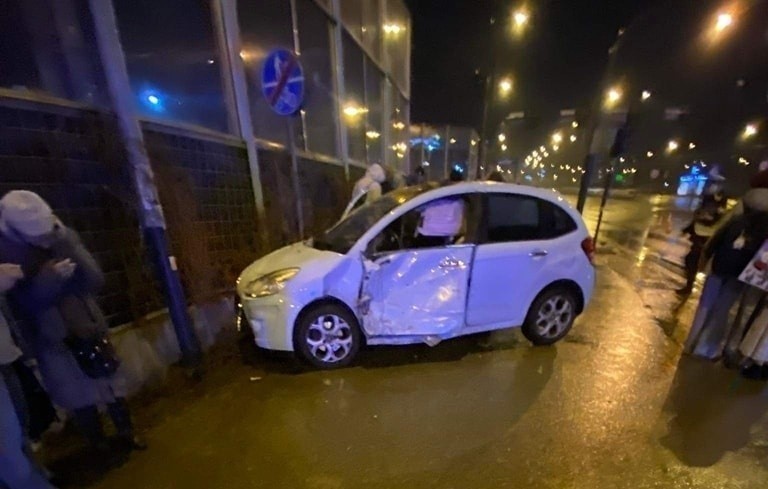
548	194
433	192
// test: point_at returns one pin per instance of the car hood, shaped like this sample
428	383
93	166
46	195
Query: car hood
297	255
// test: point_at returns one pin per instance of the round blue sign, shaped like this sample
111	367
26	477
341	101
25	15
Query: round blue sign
282	82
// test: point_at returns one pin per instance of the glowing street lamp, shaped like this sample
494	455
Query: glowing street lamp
691	145
557	138
649	154
724	21
505	86
521	18
503	147
645	95
672	145
613	96
574	124
502	137
573	138
749	131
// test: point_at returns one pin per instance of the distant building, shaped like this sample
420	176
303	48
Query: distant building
440	149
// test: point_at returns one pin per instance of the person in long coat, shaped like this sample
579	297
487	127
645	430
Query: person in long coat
17	469
55	301
731	249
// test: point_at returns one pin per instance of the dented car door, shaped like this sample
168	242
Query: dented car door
416	292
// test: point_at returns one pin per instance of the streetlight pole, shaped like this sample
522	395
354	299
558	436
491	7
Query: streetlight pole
149	209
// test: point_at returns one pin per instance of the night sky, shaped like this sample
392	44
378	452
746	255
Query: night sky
557	65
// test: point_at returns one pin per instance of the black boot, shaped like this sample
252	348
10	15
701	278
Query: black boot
87	420
121	417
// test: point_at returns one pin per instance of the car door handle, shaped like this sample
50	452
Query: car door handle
450	263
538	253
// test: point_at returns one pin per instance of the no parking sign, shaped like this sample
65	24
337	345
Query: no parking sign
282	82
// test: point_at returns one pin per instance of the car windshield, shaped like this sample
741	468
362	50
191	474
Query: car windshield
341	237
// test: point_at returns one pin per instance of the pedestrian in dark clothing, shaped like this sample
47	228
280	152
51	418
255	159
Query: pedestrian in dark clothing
731	249
17	468
417	177
55	302
456	175
496	176
706	218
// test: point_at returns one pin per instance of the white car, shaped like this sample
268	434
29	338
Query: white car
486	256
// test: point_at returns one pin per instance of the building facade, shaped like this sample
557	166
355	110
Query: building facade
229	194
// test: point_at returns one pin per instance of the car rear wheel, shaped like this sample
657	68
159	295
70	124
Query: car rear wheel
327	336
551	316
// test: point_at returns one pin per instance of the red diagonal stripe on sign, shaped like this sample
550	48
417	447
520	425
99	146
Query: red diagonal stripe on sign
283	80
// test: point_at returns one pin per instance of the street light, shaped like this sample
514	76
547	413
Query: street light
724	21
505	86
645	95
649	154
502	138
691	145
672	145
503	147
573	138
521	18
557	138
613	96
574	124
750	130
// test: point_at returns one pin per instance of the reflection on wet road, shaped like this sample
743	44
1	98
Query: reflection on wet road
612	406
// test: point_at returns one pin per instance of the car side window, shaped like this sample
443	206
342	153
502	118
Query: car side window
511	218
556	222
441	222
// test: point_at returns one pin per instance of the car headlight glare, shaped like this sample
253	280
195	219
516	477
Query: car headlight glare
269	284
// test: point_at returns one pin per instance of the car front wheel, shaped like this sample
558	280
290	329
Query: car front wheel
327	336
551	317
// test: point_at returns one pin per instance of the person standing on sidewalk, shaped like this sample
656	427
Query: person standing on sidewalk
17	469
55	301
731	249
705	220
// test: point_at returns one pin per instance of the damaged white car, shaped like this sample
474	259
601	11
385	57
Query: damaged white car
425	264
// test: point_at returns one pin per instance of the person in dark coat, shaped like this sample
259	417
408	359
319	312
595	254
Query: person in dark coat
731	249
710	212
18	469
55	303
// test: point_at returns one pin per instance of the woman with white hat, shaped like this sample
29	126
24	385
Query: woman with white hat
62	324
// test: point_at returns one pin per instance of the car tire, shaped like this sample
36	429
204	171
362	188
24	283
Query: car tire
327	336
551	316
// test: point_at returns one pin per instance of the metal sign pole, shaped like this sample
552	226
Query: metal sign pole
149	209
295	176
606	190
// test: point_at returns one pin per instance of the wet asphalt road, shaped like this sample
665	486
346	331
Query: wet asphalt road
611	406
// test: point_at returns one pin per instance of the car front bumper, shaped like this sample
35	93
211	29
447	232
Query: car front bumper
271	319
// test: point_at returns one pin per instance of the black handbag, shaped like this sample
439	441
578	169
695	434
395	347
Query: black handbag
96	356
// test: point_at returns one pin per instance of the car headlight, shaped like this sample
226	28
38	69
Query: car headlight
269	284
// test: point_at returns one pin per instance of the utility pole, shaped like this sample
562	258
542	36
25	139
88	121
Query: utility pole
149	209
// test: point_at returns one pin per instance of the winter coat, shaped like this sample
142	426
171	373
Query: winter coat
51	308
735	243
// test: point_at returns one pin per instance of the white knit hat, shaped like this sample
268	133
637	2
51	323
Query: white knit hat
26	213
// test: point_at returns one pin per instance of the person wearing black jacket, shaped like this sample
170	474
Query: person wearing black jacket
731	248
706	218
